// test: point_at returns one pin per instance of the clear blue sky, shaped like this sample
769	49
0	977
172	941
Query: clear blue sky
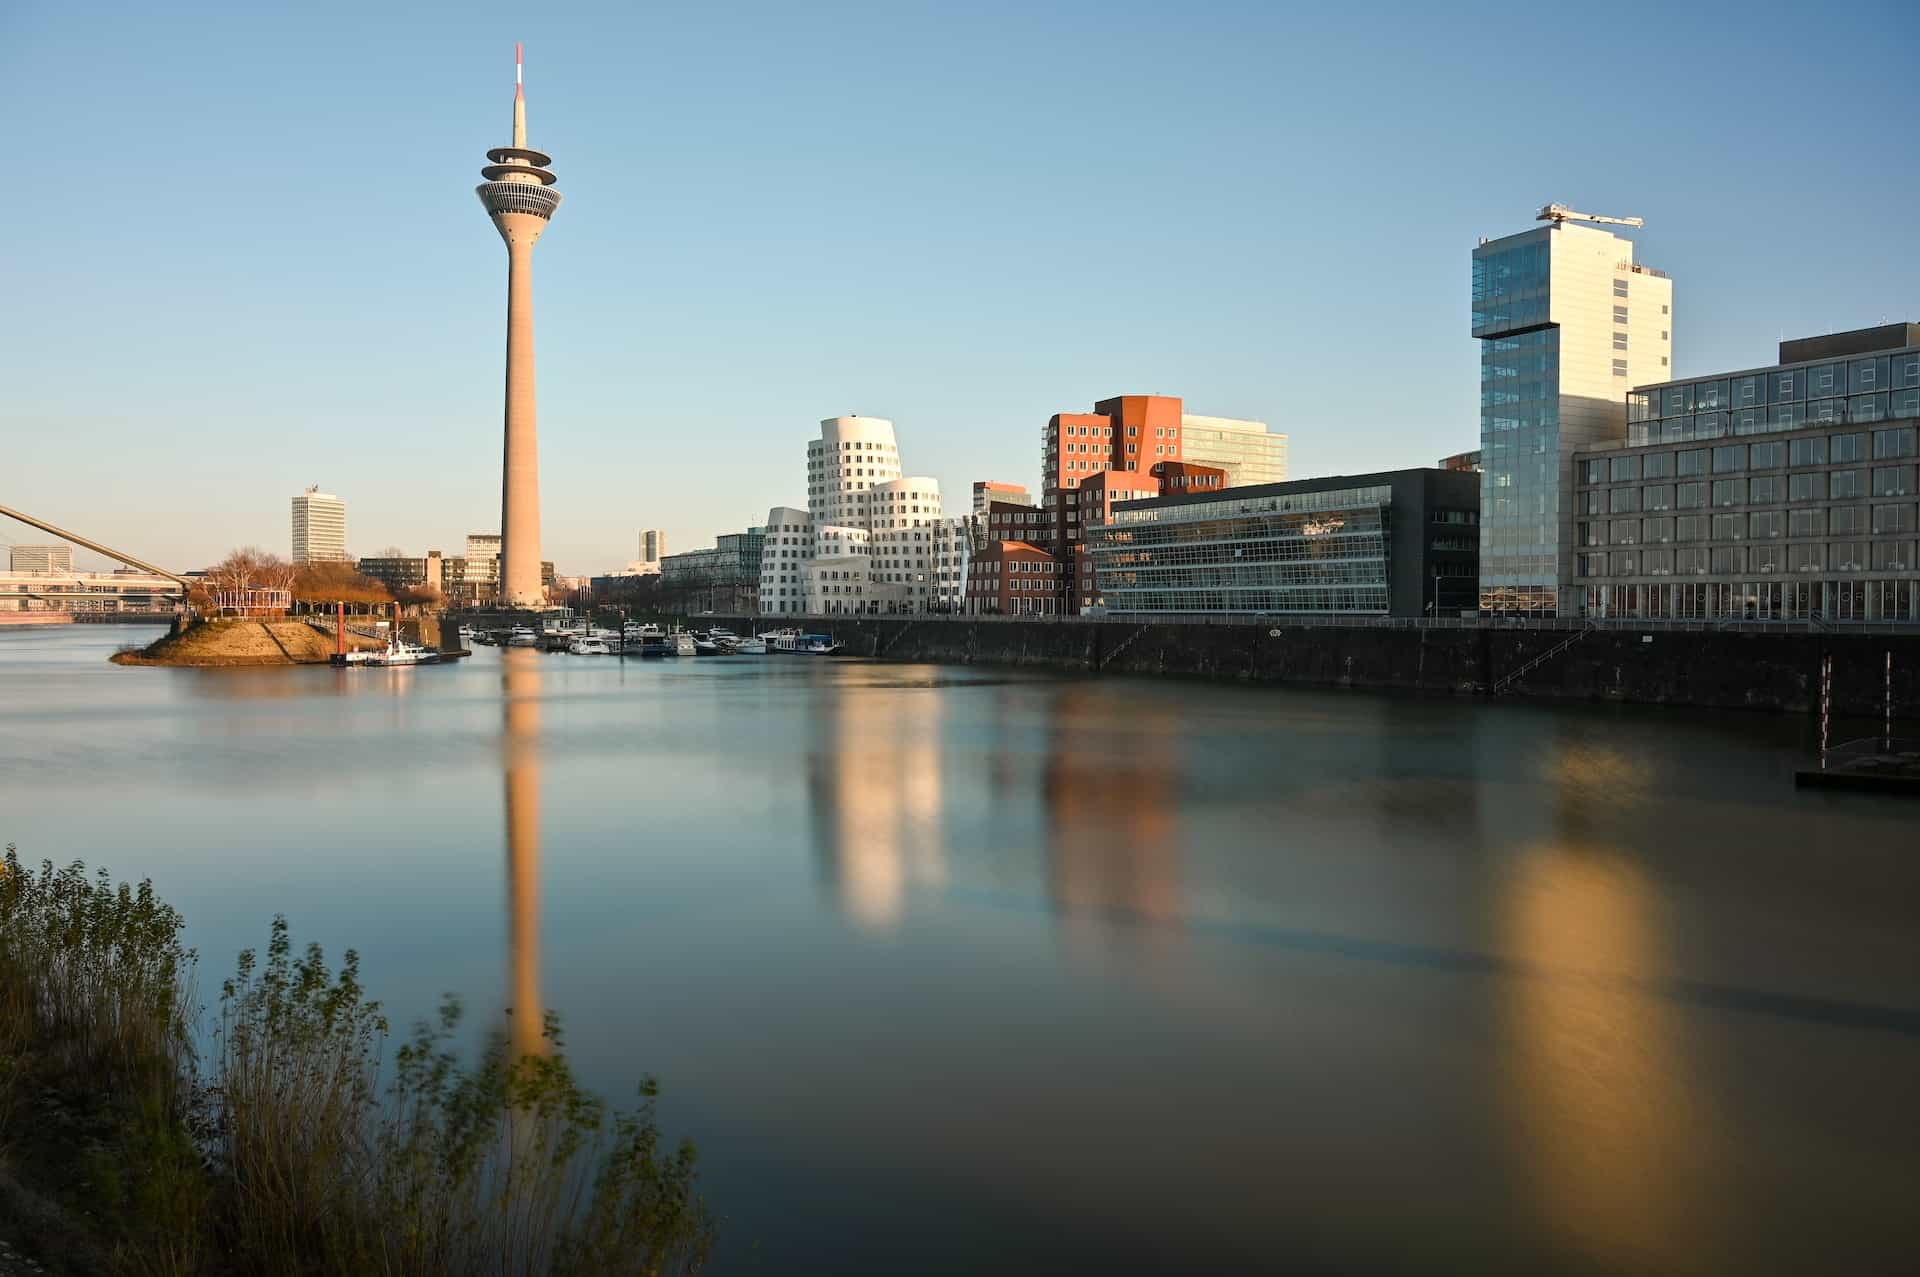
243	253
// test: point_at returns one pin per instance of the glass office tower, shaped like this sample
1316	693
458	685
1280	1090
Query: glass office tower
1567	322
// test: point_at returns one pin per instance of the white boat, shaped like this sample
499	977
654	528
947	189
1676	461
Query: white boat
589	647
680	643
397	652
796	643
755	646
466	631
522	636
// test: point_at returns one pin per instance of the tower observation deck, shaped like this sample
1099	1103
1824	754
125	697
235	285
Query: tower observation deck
520	200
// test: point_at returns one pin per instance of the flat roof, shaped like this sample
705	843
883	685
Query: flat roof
1326	483
1884	339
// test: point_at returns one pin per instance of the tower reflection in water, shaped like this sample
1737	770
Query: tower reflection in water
1613	1134
520	759
874	778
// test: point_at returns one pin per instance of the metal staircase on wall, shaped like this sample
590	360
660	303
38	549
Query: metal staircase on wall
1513	676
1120	647
897	636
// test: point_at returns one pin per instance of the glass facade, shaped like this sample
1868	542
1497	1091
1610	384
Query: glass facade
1520	469
1863	391
1822	526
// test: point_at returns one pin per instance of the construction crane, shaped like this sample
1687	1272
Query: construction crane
1561	213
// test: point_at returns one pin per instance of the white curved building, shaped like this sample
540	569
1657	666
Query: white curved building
867	541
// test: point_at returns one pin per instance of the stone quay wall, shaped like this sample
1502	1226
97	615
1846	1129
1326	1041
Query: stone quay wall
1726	668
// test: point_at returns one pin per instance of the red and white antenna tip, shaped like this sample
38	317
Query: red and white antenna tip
516	67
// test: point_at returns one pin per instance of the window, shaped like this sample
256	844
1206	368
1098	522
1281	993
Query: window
1729	492
1893	556
1589	533
1867	408
1656	562
1689	496
1658	496
1729	460
1767	489
1627	469
1623	501
1847	556
1851	447
1845	485
1763	524
1693	461
1690	562
1807	487
1806	558
1619	341
1623	532
1767	456
1893	481
1656	531
1690	527
1593	471
1847	520
1888	444
1619	367
1826	379
1626	563
1619	314
1658	465
1892	518
1619	288
1729	527
1806	523
1728	561
1809	452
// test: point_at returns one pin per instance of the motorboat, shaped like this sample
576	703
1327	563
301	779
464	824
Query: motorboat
589	646
796	643
680	643
397	652
755	646
522	636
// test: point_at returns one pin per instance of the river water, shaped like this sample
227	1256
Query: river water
952	969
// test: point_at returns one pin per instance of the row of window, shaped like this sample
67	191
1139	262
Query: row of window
1886	445
1833	556
1859	410
1871	373
1759	600
1822	485
1854	520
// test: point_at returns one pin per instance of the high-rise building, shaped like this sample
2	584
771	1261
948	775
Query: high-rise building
1785	492
1567	322
319	528
987	491
40	558
519	197
868	540
1246	450
653	545
1128	434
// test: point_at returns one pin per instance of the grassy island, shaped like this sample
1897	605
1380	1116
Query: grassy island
232	643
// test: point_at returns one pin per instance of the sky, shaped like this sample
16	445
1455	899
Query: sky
245	257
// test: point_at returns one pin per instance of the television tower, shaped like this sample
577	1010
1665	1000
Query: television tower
518	195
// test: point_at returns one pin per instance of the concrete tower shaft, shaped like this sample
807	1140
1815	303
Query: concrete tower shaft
519	197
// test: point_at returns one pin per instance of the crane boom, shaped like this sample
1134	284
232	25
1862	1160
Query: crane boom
1561	213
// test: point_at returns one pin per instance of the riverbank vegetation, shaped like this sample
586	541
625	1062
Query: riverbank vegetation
121	1150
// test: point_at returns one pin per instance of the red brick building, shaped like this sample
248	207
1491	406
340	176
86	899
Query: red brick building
1127	435
1013	578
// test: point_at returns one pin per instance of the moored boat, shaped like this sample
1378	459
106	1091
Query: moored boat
397	652
589	646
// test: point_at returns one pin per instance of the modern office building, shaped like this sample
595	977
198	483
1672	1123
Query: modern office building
952	555
725	578
653	545
1248	452
1567	321
987	491
319	528
35	590
406	573
519	197
867	541
1781	492
1397	543
40	558
1128	433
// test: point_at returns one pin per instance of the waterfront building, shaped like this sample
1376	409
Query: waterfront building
1396	543
724	578
35	590
1127	432
1013	578
783	559
40	558
1247	451
519	198
1567	321
1094	502
953	541
1785	492
319	528
406	573
987	491
867	541
1462	461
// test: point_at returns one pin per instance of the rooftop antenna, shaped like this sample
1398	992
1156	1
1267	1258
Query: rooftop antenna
519	102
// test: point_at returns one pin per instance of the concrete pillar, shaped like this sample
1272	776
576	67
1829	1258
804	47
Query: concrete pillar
520	468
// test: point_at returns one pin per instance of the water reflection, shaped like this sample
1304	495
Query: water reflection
520	686
1609	1120
1111	802
874	777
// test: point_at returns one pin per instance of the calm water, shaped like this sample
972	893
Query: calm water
950	969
